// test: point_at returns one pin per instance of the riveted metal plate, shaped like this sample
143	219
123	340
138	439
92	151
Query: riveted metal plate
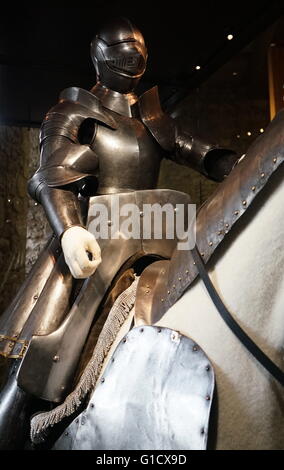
50	380
156	393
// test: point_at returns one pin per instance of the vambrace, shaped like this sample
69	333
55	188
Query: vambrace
212	161
61	205
55	185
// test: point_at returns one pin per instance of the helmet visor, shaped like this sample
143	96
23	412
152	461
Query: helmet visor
126	58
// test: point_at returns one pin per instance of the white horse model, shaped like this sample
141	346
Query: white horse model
248	273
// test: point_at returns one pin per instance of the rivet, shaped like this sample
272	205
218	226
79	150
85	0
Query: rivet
195	348
92	405
237	212
244	203
141	330
253	188
208	398
274	160
202	431
179	278
109	223
227	225
174	286
147	291
194	263
202	254
56	359
67	433
220	232
147	287
77	421
262	175
187	271
169	292
103	380
112	360
35	297
141	214
176	209
207	368
162	300
210	243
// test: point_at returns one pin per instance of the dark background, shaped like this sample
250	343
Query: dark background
44	48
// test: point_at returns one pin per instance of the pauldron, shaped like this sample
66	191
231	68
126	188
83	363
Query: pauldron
65	138
211	160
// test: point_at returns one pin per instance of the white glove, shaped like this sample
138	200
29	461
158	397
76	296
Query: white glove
75	242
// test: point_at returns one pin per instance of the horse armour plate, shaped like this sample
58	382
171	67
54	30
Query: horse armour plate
156	393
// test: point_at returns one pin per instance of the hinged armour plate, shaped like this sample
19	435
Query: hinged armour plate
156	393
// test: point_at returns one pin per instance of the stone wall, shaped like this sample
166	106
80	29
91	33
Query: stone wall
20	219
14	155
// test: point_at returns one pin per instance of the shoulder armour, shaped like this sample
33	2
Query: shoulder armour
74	107
161	126
89	101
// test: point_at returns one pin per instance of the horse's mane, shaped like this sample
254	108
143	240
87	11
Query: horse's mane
226	206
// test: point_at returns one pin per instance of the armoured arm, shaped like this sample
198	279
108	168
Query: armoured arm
58	195
64	163
67	160
212	161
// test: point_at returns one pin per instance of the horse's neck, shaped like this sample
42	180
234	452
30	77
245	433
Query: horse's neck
249	271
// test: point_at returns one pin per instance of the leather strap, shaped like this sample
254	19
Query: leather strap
250	345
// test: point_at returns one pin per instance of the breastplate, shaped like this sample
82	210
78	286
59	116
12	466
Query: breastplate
129	156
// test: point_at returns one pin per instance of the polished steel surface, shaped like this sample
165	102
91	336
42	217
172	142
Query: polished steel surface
211	160
156	393
62	208
13	320
129	157
161	125
53	303
53	377
146	292
118	102
15	409
119	55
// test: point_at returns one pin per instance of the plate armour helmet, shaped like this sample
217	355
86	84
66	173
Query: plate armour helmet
119	55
